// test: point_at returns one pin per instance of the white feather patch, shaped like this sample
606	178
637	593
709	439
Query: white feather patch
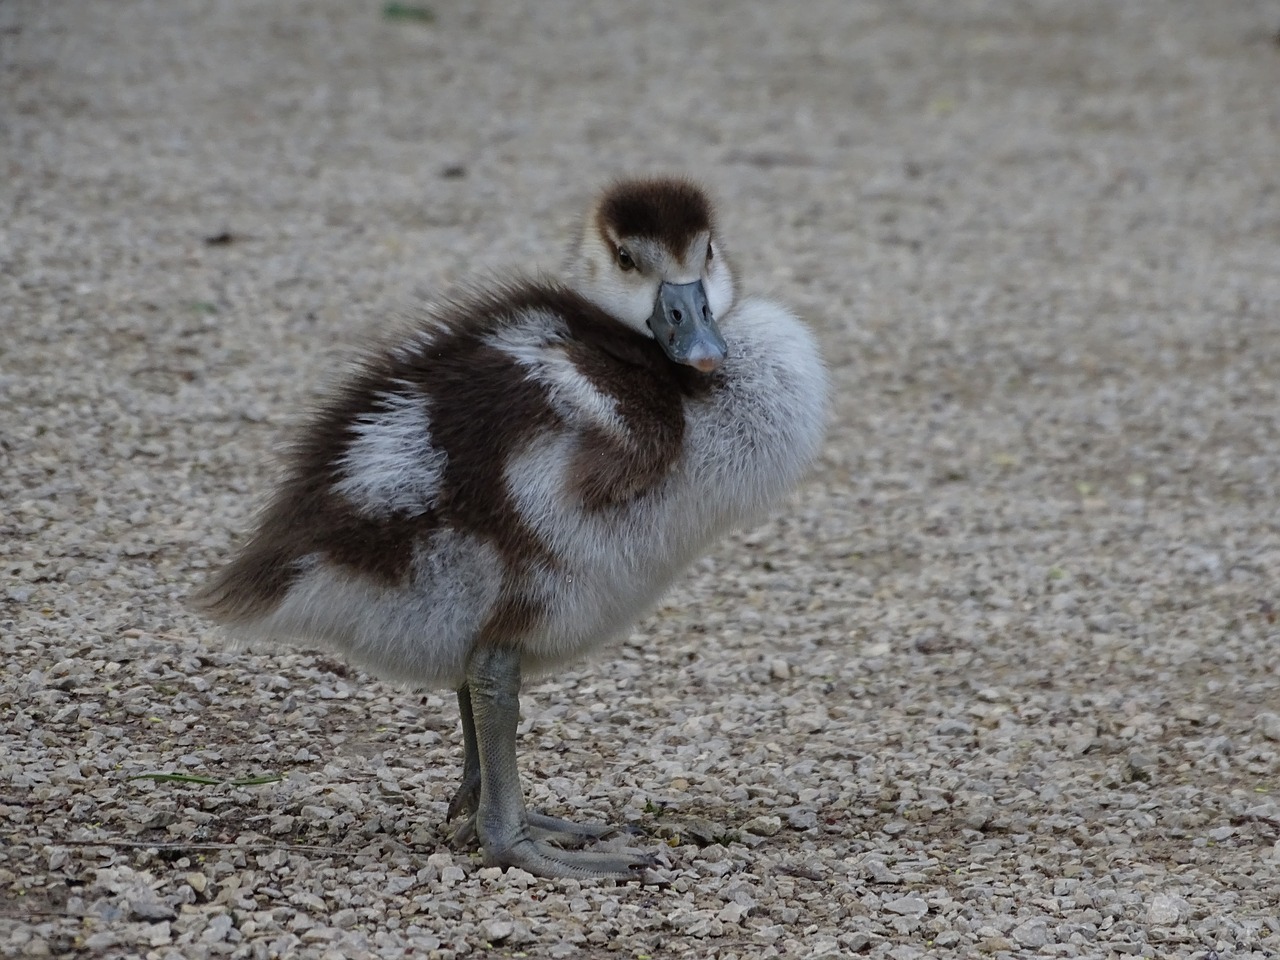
758	434
420	633
390	465
610	566
536	344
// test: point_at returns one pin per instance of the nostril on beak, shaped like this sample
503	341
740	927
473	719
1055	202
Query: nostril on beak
676	316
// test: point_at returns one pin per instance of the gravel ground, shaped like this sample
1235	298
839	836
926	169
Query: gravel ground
1001	680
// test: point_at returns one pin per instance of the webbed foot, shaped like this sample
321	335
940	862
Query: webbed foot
510	836
541	827
545	860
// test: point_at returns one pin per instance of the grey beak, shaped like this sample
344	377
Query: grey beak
683	324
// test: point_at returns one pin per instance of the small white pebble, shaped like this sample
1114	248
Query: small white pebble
1165	911
767	826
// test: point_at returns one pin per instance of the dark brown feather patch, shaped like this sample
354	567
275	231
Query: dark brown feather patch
668	210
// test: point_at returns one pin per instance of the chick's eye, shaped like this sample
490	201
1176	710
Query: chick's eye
624	259
711	252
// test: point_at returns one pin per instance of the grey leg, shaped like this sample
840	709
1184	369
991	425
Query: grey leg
493	680
467	798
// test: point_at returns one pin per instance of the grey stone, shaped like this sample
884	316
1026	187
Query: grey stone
151	909
1268	724
909	906
1031	933
765	826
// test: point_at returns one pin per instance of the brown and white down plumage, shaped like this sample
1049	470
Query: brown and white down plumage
521	477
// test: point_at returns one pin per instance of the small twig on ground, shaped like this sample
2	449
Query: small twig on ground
182	845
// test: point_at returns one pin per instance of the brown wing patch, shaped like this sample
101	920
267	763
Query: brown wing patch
483	410
650	391
306	517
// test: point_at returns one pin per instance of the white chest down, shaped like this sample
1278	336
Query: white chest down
745	445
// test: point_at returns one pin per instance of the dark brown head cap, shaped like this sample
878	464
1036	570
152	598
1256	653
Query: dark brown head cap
668	210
